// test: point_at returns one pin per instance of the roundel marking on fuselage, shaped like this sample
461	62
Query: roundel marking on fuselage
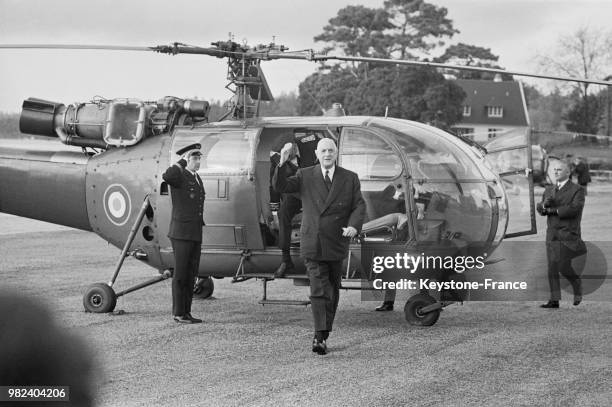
117	204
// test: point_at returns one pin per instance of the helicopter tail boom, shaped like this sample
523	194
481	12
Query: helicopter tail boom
44	185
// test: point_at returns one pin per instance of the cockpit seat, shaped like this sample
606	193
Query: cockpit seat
386	227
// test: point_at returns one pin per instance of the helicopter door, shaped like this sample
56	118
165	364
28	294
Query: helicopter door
510	156
386	227
226	169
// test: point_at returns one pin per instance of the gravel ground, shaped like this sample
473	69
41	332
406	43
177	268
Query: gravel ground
481	353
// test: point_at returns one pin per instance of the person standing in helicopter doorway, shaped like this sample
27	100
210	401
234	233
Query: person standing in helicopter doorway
302	155
185	232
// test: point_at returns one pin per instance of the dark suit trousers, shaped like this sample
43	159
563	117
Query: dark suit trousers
560	262
187	263
325	279
289	207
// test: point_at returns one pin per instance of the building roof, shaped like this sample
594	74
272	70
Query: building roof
483	93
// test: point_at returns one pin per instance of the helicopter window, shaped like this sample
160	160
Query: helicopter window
454	212
432	154
368	155
223	152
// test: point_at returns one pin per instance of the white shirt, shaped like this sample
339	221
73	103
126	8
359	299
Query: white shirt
562	184
330	174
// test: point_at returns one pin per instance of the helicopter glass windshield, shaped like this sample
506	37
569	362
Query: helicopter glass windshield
369	156
508	153
430	154
379	167
452	202
223	151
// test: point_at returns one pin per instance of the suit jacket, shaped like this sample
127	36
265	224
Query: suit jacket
187	203
324	214
565	226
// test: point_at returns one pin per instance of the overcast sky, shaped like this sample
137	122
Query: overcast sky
516	30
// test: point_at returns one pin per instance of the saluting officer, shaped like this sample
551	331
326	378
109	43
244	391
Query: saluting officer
187	192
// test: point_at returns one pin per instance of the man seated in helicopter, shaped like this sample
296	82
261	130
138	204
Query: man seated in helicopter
386	211
399	222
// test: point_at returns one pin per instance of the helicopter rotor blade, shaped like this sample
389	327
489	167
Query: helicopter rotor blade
231	49
74	46
312	56
463	67
173	49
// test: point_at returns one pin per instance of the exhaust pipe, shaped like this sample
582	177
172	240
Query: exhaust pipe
80	125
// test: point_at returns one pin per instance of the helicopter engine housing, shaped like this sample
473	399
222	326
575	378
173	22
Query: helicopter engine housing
107	123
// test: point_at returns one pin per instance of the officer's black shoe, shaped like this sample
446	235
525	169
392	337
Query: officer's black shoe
192	319
550	304
319	346
284	268
385	306
577	299
182	319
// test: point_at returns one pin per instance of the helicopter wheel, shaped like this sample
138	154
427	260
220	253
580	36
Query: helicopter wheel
203	288
99	298
413	307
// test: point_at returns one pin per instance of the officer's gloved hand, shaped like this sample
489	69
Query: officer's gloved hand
548	202
541	209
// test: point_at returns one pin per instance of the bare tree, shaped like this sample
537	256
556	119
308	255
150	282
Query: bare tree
585	53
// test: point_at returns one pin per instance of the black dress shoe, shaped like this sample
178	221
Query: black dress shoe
385	306
182	319
319	346
577	299
283	269
550	304
192	319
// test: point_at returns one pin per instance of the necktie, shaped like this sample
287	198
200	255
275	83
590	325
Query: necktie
328	182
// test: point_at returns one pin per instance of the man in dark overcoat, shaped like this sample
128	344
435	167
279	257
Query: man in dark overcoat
562	204
333	213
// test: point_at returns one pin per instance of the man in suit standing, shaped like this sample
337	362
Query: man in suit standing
562	203
333	212
187	192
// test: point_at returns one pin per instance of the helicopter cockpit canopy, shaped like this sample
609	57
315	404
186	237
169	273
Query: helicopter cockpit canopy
454	196
431	187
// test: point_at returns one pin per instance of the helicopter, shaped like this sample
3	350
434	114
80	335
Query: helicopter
426	191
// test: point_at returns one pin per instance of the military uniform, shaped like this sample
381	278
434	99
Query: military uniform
187	192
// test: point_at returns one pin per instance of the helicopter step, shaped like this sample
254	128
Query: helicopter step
265	301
